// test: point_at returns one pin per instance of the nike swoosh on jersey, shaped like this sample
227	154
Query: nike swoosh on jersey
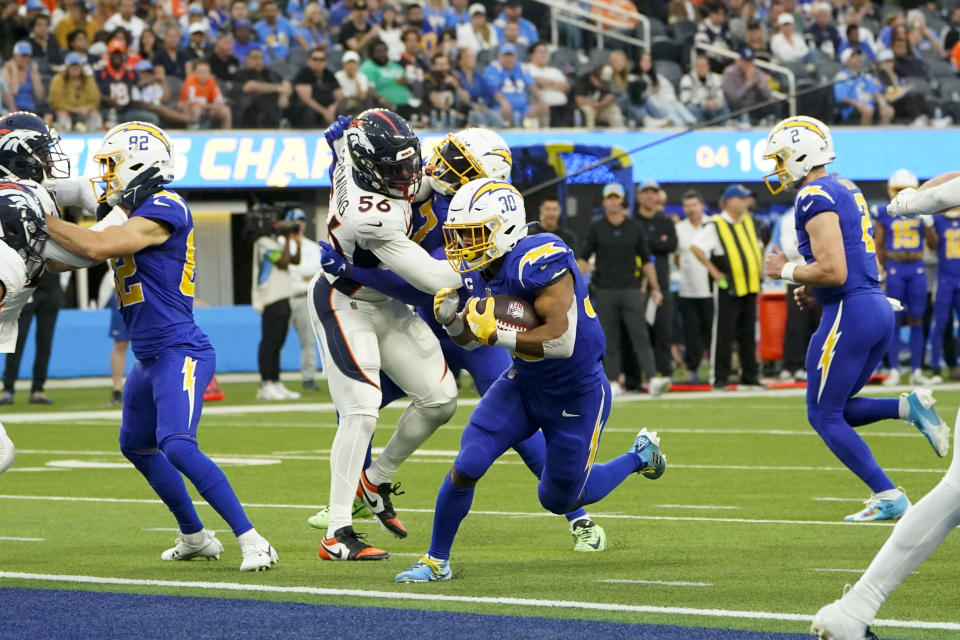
809	204
569	415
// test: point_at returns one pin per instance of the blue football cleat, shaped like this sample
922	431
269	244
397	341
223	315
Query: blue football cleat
426	569
924	417
879	509
647	450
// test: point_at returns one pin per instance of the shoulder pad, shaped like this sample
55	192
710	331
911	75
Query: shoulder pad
813	199
167	206
541	262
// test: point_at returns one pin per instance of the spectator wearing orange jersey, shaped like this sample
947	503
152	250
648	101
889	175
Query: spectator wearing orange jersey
615	19
201	100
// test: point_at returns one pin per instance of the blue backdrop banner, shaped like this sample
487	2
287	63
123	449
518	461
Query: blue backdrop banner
260	159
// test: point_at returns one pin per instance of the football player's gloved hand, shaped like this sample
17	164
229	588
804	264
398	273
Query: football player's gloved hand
333	262
445	304
102	210
335	130
482	325
898	206
140	188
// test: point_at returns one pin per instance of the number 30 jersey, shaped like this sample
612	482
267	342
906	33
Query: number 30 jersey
155	286
833	193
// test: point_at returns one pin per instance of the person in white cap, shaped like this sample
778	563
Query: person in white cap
478	34
789	46
355	85
860	92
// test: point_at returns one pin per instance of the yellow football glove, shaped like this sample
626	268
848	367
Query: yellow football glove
482	325
445	305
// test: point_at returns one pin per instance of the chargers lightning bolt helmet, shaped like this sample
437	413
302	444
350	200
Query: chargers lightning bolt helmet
22	225
486	219
468	154
385	153
129	149
796	145
30	150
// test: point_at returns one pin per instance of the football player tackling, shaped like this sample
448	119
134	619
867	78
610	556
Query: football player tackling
836	240
153	260
556	381
928	522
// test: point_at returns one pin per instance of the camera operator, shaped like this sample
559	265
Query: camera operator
273	287
302	274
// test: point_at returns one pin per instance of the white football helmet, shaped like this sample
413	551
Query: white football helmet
486	219
467	155
901	179
797	145
129	149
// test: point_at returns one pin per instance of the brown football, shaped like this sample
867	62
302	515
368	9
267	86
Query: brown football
512	314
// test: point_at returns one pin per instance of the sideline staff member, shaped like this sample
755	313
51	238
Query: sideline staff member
729	249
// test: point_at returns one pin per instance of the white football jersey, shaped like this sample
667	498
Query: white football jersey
13	274
372	230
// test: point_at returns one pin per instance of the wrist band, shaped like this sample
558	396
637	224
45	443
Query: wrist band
507	339
787	272
455	328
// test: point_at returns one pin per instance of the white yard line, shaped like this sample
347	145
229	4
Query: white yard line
828	570
828	499
14	539
541	514
696	506
666	583
439	597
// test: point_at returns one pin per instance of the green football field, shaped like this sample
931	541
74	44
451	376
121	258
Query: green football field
743	531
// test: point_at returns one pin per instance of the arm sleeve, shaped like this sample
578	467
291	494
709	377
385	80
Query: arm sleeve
933	200
389	283
412	263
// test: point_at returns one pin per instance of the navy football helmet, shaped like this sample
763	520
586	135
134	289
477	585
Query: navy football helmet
22	225
30	150
386	154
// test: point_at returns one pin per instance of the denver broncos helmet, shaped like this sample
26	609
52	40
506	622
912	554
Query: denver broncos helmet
385	153
22	225
30	150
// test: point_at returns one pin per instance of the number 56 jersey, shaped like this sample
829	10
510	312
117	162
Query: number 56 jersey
155	286
833	193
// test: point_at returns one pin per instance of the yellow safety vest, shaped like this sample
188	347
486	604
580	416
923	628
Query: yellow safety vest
744	256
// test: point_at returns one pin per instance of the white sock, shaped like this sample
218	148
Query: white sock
248	536
194	538
889	494
346	462
414	427
904	407
918	533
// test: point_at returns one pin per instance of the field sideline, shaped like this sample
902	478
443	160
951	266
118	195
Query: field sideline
743	532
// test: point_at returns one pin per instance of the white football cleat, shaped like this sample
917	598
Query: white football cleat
659	385
203	544
833	623
284	393
893	378
917	378
7	453
258	555
268	392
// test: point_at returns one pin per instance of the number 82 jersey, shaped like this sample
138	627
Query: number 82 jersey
155	286
833	193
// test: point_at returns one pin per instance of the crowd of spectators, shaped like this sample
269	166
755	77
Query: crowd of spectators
86	64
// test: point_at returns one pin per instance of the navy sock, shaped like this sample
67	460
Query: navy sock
861	411
916	346
893	352
453	505
209	480
606	477
168	484
850	448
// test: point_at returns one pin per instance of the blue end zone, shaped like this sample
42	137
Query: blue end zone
88	614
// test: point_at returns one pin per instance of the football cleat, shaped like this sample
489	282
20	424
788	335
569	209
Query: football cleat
652	463
205	545
659	385
893	378
268	392
833	623
258	555
588	536
924	417
346	544
377	499
321	519
880	509
426	569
